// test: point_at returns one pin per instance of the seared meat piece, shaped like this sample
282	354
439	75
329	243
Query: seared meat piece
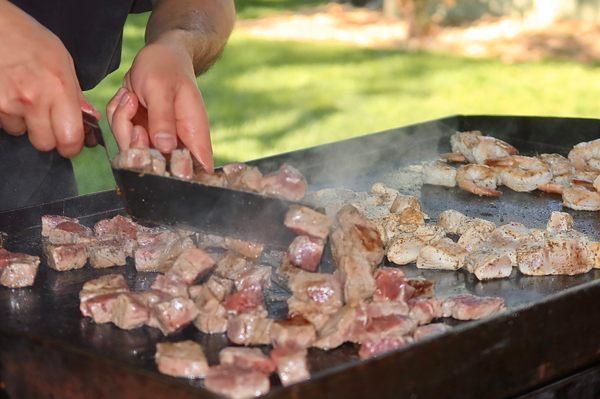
357	237
212	316
378	346
170	286
453	221
231	266
560	222
107	284
259	276
250	329
470	307
286	183
422	287
99	307
108	253
357	279
181	359
128	311
404	248
315	296
133	158
215	179
305	252
251	250
49	223
66	257
243	177
291	364
191	264
305	221
17	270
158	163
478	232
439	173
396	224
430	330
172	315
69	232
489	263
296	331
507	238
247	358
236	382
249	299
395	326
423	310
219	287
346	325
158	250
181	165
443	254
120	228
386	308
391	285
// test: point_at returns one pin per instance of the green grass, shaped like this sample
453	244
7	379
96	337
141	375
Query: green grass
268	97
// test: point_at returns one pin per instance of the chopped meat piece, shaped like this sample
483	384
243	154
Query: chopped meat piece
470	307
133	158
120	228
249	329
306	221
384	195
158	163
594	254
422	287
430	330
243	177
286	183
151	297
251	250
356	237
507	238
357	279
66	257
259	276
191	264
99	307
477	233
107	253
391	285
296	331
409	216
489	263
170	286
305	252
17	270
402	202
49	223
181	165
232	266
107	284
216	179
158	251
443	254
236	382
560	222
181	359
378	346
423	310
70	233
247	358
386	308
249	299
212	316
346	325
439	173
219	287
393	225
291	364
315	296
388	326
172	315
453	221
405	247
128	312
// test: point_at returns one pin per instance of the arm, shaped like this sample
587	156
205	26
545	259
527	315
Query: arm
183	38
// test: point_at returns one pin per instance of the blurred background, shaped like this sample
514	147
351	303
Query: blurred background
298	73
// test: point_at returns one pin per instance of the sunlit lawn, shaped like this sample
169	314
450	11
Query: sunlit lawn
269	97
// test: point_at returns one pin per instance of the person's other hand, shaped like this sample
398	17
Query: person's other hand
39	90
161	81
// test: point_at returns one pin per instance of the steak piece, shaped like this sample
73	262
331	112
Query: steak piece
476	234
133	158
107	284
305	221
66	257
170	286
251	250
17	270
470	307
49	223
236	382
287	183
423	310
430	330
128	311
249	329
443	254
316	296
181	164
346	325
70	232
231	266
296	331
119	228
240	176
291	364
108	253
190	265
453	221
357	279
560	222
259	276
247	358
181	359
172	315
215	179
386	308
158	163
305	252
99	307
212	316
391	285
158	250
404	248
423	287
375	347
249	299
218	287
489	263
394	326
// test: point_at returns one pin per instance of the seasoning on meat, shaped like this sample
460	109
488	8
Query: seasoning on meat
158	250
356	236
306	221
489	263
247	358
107	253
470	307
305	252
231	266
293	331
181	164
559	222
121	229
291	364
443	254
181	359
315	296
17	270
49	223
70	232
236	382
191	264
357	279
66	257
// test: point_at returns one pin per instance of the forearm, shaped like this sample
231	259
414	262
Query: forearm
202	26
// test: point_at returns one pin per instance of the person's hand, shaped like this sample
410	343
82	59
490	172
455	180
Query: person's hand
39	90
161	81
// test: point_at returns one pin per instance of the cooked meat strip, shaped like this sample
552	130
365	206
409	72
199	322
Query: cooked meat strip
293	331
254	276
430	330
181	359
129	312
306	221
133	158
443	254
181	164
107	253
107	284
391	285
17	270
357	279
66	257
315	296
346	325
305	252
172	315
236	382
488	263
286	183
356	236
559	222
250	329
249	299
49	223
378	346
212	316
191	264
170	286
291	364
232	266
158	250
470	307
423	310
251	250
247	358
243	177
70	232
405	247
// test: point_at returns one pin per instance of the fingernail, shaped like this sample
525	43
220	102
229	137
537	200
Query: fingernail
124	98
165	142
135	136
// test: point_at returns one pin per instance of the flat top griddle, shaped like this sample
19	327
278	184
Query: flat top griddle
545	333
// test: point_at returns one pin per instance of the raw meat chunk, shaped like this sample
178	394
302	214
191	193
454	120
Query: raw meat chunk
181	165
305	221
305	252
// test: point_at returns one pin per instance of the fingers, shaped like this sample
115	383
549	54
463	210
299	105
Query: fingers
161	120
139	138
192	125
113	103
39	128
12	124
121	124
67	125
